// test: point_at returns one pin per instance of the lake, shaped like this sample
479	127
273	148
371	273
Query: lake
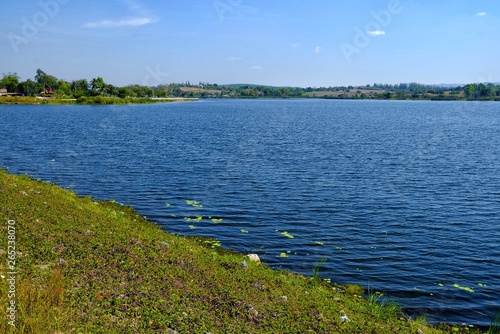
402	197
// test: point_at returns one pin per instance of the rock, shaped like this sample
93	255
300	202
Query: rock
419	331
244	264
164	244
62	261
254	258
344	318
253	312
88	233
284	298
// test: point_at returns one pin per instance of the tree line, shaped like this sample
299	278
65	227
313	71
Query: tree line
48	85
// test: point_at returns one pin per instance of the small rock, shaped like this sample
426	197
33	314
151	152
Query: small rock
164	244
254	258
284	298
62	261
244	264
419	331
88	233
257	285
253	312
344	318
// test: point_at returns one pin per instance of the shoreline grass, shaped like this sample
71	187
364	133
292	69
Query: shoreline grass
100	267
94	100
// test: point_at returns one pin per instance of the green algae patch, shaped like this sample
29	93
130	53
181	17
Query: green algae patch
100	267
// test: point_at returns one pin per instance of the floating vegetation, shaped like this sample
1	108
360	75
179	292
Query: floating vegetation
196	219
244	231
318	243
328	280
288	235
192	227
168	205
440	284
283	255
482	285
173	216
216	220
463	288
194	204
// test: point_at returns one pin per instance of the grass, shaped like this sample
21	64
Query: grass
95	100
99	267
495	325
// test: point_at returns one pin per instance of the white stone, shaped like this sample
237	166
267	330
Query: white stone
254	258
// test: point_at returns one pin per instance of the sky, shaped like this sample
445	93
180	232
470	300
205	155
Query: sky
313	43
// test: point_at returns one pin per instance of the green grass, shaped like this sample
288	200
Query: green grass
99	267
94	100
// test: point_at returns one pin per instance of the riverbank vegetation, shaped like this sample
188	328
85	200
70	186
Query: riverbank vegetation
84	266
97	91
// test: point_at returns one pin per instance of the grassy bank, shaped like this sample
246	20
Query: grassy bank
99	267
95	100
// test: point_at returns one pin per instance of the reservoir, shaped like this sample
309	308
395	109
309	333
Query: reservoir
402	197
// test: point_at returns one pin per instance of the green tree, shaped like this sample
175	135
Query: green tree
469	91
29	88
98	86
10	81
64	88
80	88
124	92
45	80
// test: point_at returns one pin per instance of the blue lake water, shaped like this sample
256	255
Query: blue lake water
400	197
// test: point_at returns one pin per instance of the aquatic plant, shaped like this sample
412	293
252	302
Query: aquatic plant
317	267
194	204
196	219
463	288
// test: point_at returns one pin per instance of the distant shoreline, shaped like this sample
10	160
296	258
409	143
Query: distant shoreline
99	100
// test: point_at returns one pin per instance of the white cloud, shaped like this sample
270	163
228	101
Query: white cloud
481	14
256	67
134	22
317	49
296	45
233	58
376	33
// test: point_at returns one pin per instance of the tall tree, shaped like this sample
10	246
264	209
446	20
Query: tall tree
46	80
98	85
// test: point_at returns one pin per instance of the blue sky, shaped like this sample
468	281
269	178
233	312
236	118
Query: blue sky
288	43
